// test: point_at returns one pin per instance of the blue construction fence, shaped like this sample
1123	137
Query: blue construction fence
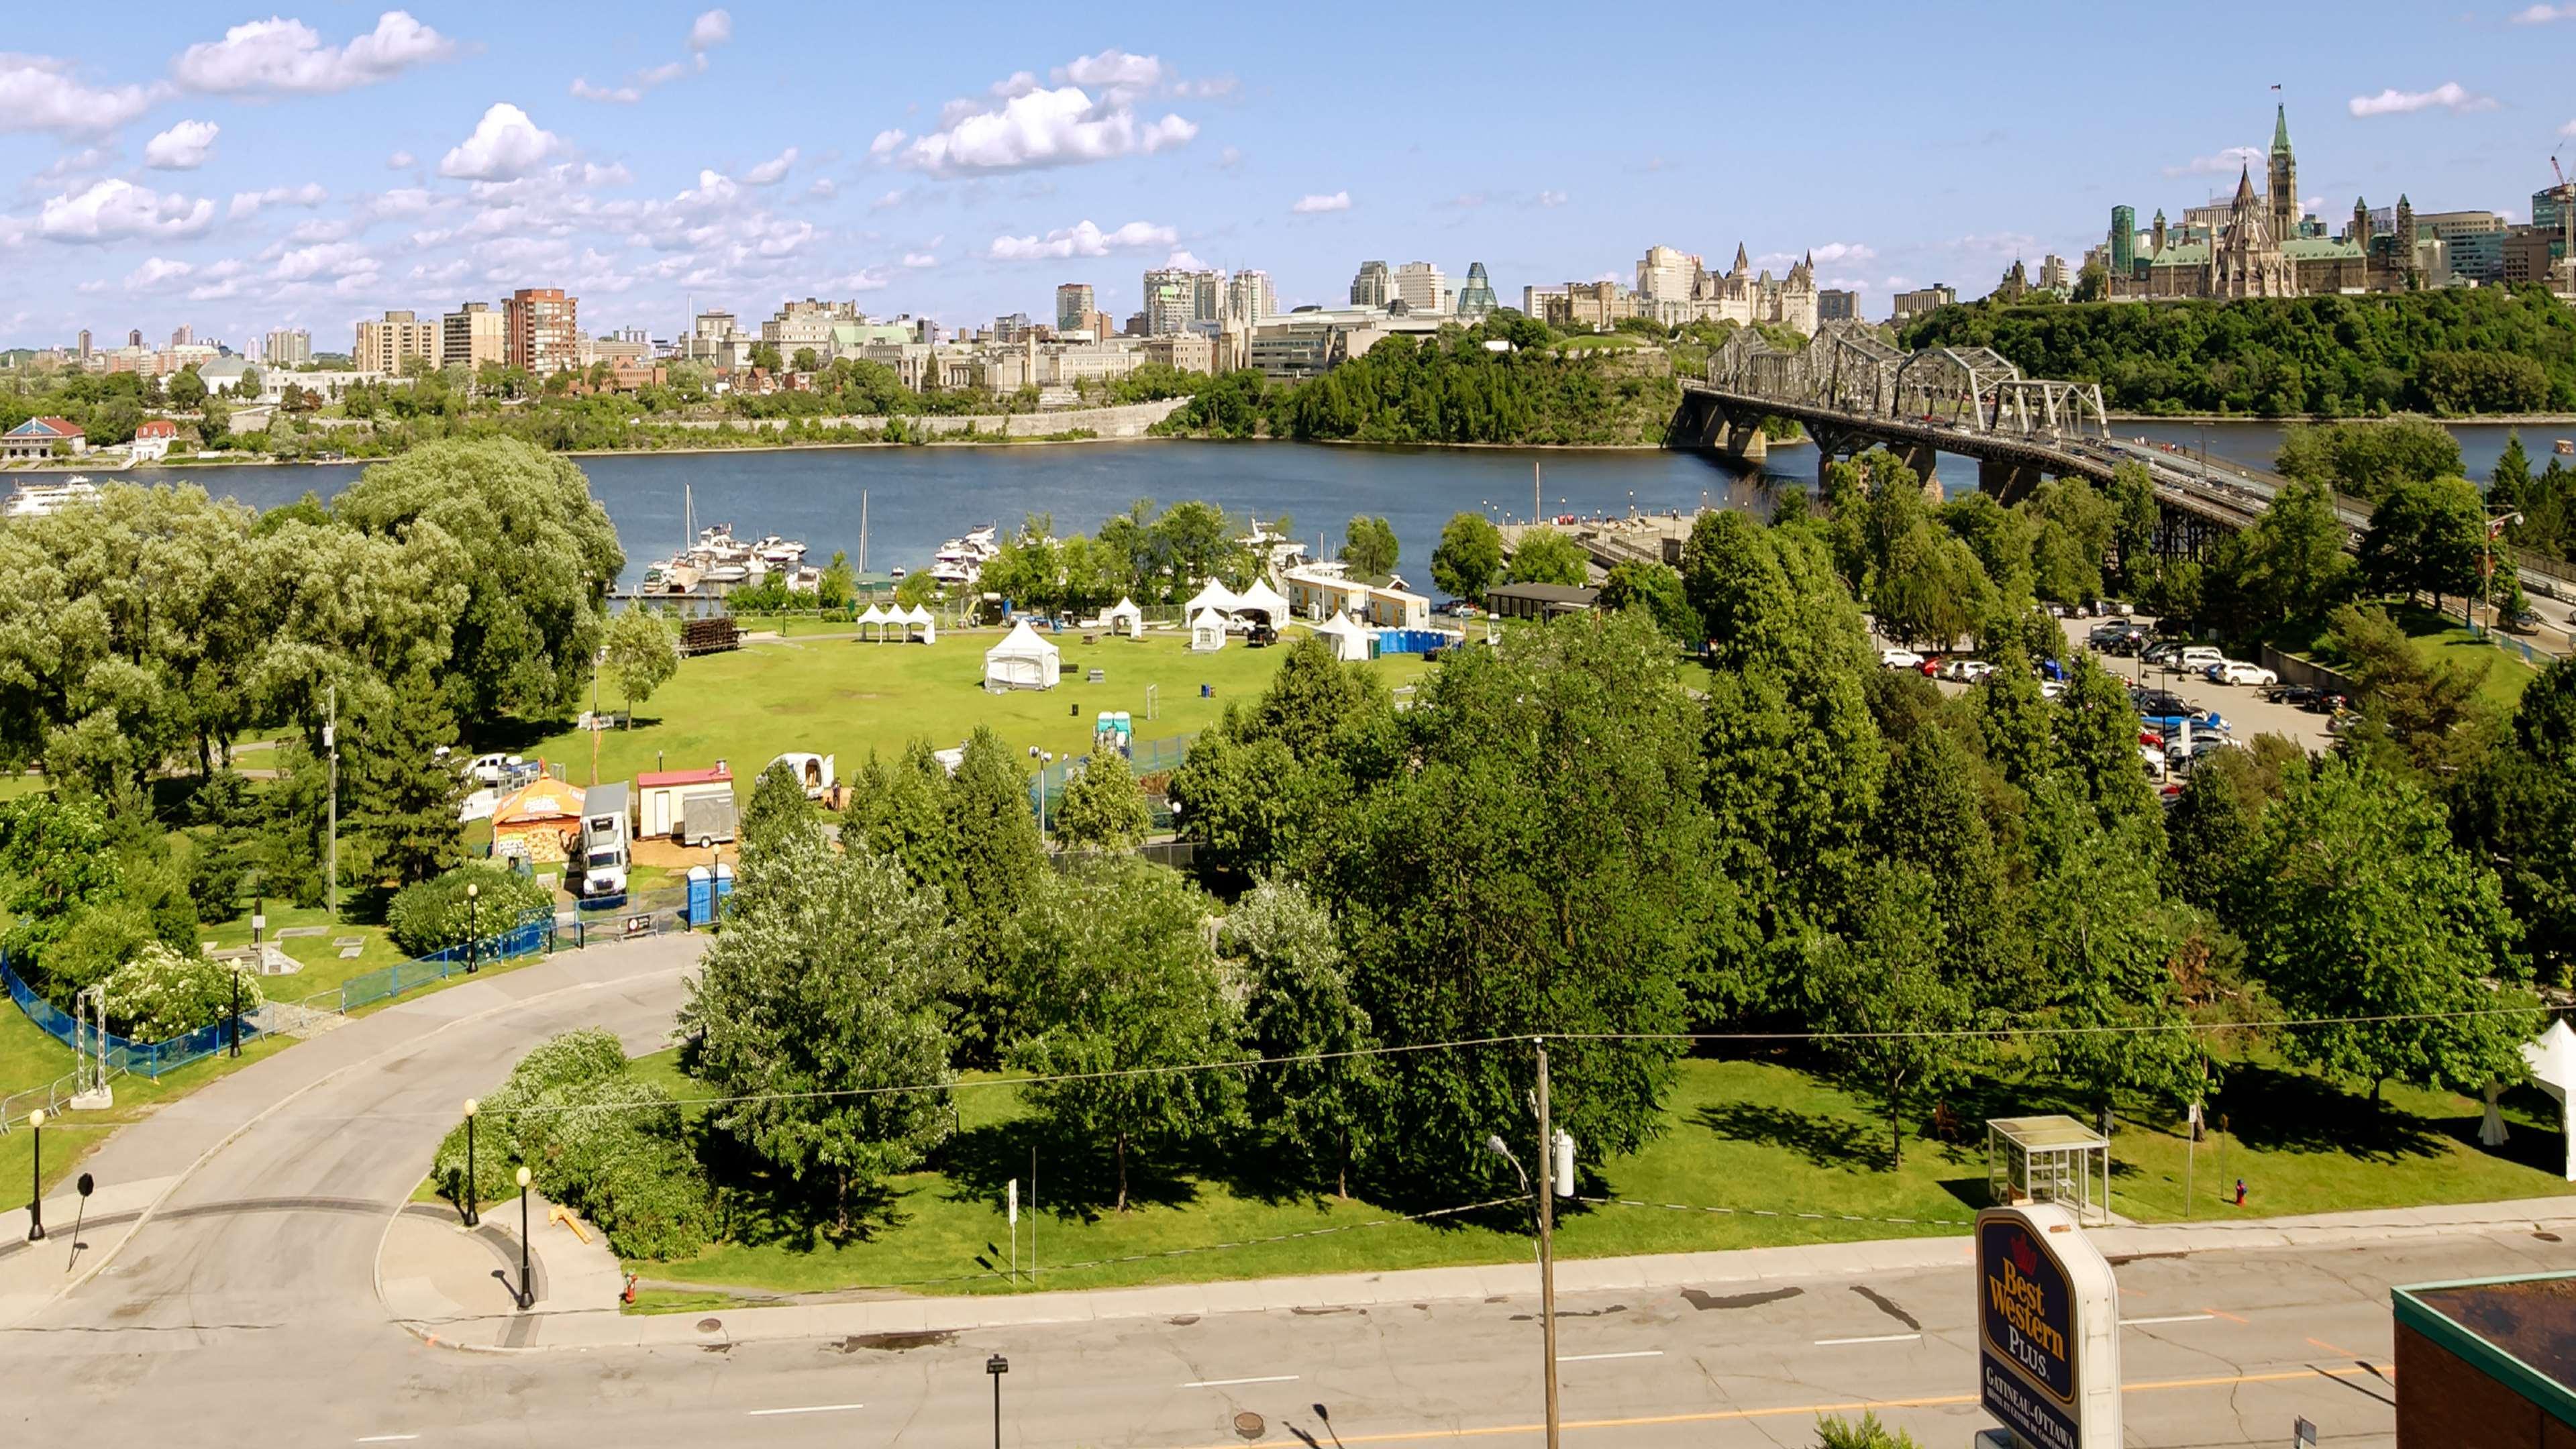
143	1059
535	931
1144	757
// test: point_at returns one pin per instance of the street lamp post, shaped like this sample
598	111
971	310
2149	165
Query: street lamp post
36	1179
473	1215
236	1011
996	1366
527	1289
473	889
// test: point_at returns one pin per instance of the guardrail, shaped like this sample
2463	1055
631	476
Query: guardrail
535	931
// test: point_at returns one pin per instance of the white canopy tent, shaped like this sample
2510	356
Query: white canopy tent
1125	618
872	617
1263	599
1215	596
1349	640
920	618
1207	631
1021	661
2552	1060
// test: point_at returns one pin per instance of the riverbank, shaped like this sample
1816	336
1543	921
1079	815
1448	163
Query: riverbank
2476	420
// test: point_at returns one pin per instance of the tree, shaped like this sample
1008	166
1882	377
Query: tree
2290	563
2368	459
1469	558
2215	829
247	389
2364	908
778	807
187	390
1929	588
640	655
2509	486
2097	740
1881	994
2105	943
1110	978
827	982
1546	556
1321	1097
1931	818
806	361
403	796
1102	809
2428	536
899	807
2517	807
1656	589
2416	712
839	586
764	355
1866	1432
1368	547
996	862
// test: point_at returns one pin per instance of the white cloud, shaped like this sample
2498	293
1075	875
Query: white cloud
1185	261
399	161
2230	159
1082	239
773	170
1832	252
583	90
2568	130
1313	202
919	259
887	202
505	145
288	56
37	93
2449	96
154	272
823	189
330	259
710	30
1113	68
1208	89
1035	128
87	161
184	147
248	203
1551	199
115	209
2543	14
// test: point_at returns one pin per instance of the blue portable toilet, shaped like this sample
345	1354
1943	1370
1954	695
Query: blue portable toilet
724	888
701	908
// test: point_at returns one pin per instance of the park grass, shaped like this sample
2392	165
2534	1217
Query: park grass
844	697
1791	1157
2437	639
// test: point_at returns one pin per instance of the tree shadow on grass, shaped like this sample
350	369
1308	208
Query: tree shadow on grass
1824	1141
2533	1138
1073	1179
759	1208
2273	1110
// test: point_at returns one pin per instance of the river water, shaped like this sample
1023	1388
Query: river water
919	496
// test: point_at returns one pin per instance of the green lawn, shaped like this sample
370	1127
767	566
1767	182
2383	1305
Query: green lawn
30	1057
1741	1134
2437	638
844	697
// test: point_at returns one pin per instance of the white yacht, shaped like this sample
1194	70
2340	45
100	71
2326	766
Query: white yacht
35	499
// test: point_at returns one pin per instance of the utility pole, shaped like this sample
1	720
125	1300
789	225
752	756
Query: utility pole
1546	1236
331	747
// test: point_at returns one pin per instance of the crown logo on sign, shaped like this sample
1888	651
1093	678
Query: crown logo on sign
2025	1257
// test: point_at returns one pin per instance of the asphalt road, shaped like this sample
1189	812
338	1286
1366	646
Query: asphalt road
245	1308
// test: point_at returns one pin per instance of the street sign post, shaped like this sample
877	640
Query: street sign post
2048	1341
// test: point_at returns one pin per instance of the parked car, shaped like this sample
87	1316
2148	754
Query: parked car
2322	702
2237	671
2520	621
2197	657
2159	701
2051	688
493	769
1966	671
1899	659
2155	761
2296	696
2205	745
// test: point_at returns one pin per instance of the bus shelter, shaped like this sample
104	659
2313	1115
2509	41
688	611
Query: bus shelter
2049	1159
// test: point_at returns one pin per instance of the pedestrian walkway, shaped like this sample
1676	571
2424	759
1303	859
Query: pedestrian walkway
585	1328
434	1270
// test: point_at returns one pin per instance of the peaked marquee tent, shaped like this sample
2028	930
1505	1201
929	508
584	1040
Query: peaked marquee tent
1207	631
921	619
2552	1059
1125	618
1215	596
1021	661
1349	640
873	617
1263	599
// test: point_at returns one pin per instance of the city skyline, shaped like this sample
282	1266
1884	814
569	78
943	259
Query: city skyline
255	175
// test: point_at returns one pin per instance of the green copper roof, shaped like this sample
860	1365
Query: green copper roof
2280	128
2319	249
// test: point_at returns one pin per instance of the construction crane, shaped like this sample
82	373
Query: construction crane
2562	175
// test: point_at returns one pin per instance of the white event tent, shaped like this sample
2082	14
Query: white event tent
1207	631
2552	1060
1021	661
1125	618
1263	599
1349	640
873	617
920	618
1215	596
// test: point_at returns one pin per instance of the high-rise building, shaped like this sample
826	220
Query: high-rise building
1476	299
1924	300
385	345
1249	298
471	336
183	335
1833	304
1176	297
2054	275
1421	287
84	344
1013	327
1074	304
2281	179
542	333
1667	275
134	337
1373	287
287	347
2124	239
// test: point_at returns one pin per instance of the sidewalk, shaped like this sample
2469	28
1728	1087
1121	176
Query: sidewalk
585	1328
31	1274
434	1270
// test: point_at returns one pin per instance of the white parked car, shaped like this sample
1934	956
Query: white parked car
492	769
2237	671
2051	688
1899	659
2197	657
1966	671
2155	761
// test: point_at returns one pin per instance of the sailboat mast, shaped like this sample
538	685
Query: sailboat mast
863	533
1534	503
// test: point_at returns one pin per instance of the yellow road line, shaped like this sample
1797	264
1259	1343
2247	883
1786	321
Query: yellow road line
1715	1416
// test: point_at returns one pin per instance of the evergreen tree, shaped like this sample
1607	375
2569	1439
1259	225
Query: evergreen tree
899	808
403	796
1322	1099
1102	809
998	861
778	807
2509	486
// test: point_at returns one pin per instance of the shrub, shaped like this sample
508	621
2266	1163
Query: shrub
433	915
159	994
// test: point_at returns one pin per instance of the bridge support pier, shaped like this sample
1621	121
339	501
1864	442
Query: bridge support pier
1746	443
2010	483
1925	461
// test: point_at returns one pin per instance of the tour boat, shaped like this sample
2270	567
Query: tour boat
42	500
2567	445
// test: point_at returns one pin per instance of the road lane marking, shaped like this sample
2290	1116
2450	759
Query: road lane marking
1802	1411
387	1438
1597	1357
2230	1317
2177	1318
1873	1338
1230	1383
805	1409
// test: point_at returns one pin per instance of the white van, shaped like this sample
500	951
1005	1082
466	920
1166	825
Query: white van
604	842
2199	657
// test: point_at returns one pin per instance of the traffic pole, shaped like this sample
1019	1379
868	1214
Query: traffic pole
1547	1239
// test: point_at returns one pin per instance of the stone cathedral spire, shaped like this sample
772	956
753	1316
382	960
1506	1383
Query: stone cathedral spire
2281	179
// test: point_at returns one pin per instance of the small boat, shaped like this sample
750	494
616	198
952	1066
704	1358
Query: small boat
784	551
898	574
2566	446
43	500
727	573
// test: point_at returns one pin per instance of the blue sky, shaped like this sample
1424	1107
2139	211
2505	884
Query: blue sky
239	170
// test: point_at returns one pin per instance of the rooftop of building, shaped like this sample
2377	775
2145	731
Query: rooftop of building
2520	1331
